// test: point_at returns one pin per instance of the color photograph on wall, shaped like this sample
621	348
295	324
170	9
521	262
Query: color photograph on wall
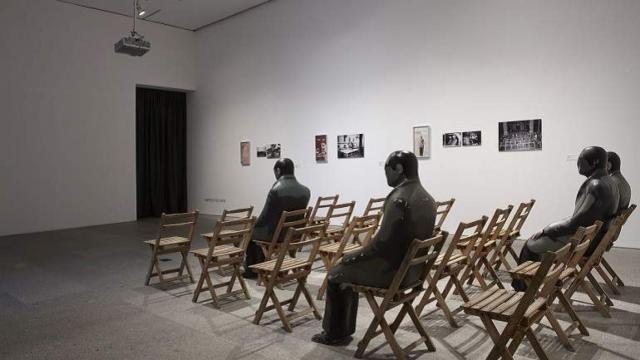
520	135
273	151
261	151
350	146
245	153
452	139
321	148
471	138
422	141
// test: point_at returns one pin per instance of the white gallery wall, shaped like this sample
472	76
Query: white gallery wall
67	138
293	69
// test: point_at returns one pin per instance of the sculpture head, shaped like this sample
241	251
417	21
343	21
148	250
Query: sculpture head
400	165
591	159
283	167
613	162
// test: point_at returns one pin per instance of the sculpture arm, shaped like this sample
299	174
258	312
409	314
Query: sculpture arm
261	230
582	215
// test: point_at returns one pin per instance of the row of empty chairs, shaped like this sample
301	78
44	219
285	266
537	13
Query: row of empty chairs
475	252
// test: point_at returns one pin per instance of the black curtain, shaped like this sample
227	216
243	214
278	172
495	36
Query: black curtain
161	152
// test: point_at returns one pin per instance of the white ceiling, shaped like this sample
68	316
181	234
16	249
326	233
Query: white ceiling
186	14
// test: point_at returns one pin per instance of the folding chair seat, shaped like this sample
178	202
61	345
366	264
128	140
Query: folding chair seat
578	246
321	209
449	265
601	300
283	269
478	251
520	310
174	237
421	253
358	233
609	275
227	246
507	236
442	211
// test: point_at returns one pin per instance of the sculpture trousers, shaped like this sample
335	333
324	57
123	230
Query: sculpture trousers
341	309
533	250
253	256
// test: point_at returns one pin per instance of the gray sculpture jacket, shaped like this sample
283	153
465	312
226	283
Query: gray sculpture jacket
597	200
624	189
287	194
409	213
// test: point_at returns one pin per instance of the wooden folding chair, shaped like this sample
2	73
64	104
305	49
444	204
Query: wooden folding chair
321	209
504	245
358	233
339	211
375	206
288	219
227	247
479	252
611	278
442	211
601	301
421	253
449	265
284	269
526	271
241	213
520	310
174	236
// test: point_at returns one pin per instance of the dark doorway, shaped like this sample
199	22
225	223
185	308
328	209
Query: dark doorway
161	152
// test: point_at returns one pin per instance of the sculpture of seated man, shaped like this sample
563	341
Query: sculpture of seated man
597	199
409	213
287	194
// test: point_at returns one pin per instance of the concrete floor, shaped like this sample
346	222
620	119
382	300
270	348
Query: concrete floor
79	294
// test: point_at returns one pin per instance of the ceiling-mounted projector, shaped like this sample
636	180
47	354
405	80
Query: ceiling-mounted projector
134	45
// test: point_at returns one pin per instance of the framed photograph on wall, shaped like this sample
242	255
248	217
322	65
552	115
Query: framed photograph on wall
350	146
521	135
273	151
245	153
472	138
452	139
321	148
261	151
422	141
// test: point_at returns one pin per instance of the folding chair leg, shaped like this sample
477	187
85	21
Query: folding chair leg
497	351
454	279
496	279
362	345
616	278
323	288
203	273
419	327
159	271
212	291
280	311
295	298
607	280
398	320
263	304
236	268
151	265
599	305
309	298
600	290
564	339
572	313
516	340
535	344
186	265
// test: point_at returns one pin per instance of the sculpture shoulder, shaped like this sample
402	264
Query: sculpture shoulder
604	186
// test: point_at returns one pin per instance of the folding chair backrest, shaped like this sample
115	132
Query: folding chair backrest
471	232
421	253
323	206
518	219
289	219
344	211
242	213
375	206
580	243
614	226
442	211
179	224
361	228
300	238
495	225
232	232
626	213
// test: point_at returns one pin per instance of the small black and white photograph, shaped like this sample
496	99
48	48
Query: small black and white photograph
452	139
261	151
273	151
350	146
472	138
422	141
521	135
